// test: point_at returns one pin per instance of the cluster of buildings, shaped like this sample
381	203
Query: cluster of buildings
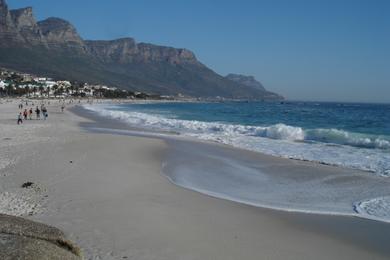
21	84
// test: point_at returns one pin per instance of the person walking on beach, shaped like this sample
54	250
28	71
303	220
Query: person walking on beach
62	108
38	112
25	113
44	112
30	112
20	120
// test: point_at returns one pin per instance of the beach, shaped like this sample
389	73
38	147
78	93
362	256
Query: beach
106	191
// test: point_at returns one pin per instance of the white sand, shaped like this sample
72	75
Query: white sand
107	193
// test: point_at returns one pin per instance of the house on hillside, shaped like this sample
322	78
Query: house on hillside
27	78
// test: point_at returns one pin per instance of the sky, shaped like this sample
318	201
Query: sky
329	50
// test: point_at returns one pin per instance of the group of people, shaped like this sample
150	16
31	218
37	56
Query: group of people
28	113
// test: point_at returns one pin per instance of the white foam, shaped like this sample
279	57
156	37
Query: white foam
293	189
376	208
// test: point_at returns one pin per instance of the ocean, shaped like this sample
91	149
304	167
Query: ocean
349	135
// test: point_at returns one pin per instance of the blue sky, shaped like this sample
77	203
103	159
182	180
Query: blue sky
304	49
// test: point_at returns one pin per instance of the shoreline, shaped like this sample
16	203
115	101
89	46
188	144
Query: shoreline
108	125
107	192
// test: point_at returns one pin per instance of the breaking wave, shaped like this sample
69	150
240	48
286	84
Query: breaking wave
277	131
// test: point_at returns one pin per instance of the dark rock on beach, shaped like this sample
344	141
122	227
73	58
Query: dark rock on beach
27	184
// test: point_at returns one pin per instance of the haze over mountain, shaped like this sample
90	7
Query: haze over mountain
53	47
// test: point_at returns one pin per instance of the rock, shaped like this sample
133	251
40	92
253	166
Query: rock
27	184
25	239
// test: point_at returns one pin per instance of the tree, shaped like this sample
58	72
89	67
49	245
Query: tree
27	89
10	87
41	89
55	87
35	89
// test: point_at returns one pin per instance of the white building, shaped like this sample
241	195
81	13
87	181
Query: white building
3	84
49	83
42	80
64	84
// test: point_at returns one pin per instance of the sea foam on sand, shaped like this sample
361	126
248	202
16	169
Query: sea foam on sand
377	208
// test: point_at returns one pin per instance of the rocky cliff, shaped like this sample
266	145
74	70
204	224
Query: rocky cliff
126	50
54	48
26	27
8	31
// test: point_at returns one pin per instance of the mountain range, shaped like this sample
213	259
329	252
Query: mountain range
54	48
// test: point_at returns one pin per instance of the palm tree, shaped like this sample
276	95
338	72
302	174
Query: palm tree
27	90
61	90
35	89
41	89
55	87
10	87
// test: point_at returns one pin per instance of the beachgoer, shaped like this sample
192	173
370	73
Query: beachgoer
38	112
62	108
25	114
44	112
30	113
20	120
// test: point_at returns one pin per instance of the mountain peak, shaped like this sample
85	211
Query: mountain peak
61	33
23	11
245	80
52	24
23	17
26	25
3	3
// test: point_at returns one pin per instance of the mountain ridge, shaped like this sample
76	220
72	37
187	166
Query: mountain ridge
53	47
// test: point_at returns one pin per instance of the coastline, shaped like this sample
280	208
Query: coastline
107	192
327	189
